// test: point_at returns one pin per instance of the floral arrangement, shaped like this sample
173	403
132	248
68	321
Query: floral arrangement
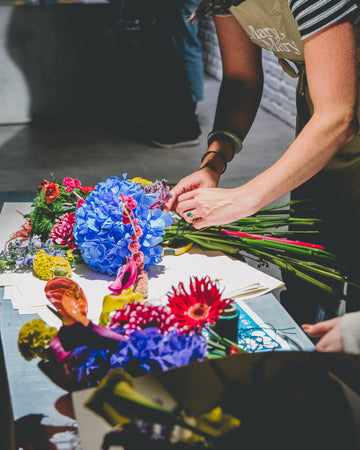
137	336
104	226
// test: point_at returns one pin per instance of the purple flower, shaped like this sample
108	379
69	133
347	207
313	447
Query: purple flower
87	366
163	191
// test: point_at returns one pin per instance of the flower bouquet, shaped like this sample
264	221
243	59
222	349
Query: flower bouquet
102	226
132	335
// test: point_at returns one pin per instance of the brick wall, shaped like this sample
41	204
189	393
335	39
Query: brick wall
279	88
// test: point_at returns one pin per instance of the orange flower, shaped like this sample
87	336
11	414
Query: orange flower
52	192
43	185
69	300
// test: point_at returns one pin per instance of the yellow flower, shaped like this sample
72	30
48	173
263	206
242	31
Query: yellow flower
141	181
34	339
47	266
112	302
69	254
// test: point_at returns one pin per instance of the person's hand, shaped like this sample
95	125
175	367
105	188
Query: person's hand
202	178
215	206
329	332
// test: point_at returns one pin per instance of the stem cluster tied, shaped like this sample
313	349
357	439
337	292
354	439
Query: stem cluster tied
267	236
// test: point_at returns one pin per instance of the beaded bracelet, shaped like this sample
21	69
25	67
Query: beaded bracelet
230	137
216	153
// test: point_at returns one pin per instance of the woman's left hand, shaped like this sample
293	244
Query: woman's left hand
329	331
214	206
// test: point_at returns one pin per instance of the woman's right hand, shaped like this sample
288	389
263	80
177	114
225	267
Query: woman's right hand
202	178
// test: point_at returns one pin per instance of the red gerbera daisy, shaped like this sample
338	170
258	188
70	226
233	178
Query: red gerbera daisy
201	306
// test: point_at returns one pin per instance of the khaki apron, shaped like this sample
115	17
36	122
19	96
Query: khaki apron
270	24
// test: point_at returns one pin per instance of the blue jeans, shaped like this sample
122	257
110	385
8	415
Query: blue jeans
184	36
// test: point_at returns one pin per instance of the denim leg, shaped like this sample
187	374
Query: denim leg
185	39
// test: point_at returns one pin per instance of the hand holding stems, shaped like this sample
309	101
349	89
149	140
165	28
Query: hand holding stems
205	177
329	332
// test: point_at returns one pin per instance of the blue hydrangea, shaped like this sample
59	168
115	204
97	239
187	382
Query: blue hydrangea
149	347
102	237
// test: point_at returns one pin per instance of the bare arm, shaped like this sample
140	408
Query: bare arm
238	102
330	59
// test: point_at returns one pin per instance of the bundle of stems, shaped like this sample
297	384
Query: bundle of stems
266	236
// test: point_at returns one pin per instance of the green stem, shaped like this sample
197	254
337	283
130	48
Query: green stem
299	274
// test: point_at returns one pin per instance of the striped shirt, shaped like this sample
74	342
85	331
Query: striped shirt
310	15
314	15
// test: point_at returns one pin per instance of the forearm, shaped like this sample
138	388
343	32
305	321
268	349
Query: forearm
241	89
315	146
237	106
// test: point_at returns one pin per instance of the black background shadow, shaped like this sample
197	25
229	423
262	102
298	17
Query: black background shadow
86	64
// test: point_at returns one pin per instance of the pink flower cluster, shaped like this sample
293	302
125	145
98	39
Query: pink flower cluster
71	184
128	218
138	317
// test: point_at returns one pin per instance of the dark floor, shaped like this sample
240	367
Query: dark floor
29	154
